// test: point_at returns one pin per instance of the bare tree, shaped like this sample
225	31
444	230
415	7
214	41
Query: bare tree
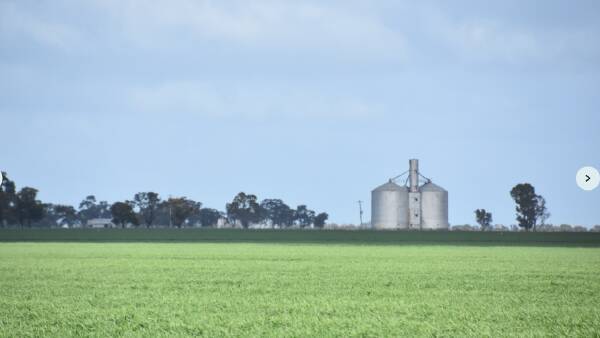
542	211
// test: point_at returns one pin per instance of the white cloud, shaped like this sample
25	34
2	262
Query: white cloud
330	32
492	38
489	40
248	102
269	24
16	22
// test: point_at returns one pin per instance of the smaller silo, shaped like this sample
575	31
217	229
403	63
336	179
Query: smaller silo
434	207
389	206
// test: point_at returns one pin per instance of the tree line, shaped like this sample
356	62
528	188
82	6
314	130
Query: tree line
531	210
23	208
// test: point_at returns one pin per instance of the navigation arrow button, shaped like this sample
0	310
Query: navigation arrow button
587	178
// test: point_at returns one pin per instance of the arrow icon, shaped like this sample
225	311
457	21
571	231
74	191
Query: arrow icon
588	178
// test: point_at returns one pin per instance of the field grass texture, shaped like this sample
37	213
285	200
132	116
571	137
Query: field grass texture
300	236
276	290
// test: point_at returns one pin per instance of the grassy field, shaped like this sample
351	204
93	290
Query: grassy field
301	236
269	289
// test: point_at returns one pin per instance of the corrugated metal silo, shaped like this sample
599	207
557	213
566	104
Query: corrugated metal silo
389	206
434	207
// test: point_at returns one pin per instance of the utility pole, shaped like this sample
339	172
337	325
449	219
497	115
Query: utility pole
360	211
170	216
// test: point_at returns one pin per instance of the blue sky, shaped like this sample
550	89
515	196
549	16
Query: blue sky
314	102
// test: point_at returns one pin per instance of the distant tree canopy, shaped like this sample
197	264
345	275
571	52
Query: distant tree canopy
208	217
320	219
122	214
182	209
147	203
29	209
7	201
484	218
542	211
89	209
271	212
277	212
530	207
244	208
303	216
65	214
23	208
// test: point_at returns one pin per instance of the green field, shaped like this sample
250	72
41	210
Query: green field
210	235
297	289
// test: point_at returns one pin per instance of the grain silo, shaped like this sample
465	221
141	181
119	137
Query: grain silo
411	205
434	207
389	206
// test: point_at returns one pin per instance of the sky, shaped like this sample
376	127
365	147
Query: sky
313	102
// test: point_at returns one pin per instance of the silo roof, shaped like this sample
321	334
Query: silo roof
431	187
389	186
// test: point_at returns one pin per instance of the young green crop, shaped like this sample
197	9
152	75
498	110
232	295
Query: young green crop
241	289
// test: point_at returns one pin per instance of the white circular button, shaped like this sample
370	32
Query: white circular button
587	178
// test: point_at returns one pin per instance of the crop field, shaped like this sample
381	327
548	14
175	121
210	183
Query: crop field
297	289
211	235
